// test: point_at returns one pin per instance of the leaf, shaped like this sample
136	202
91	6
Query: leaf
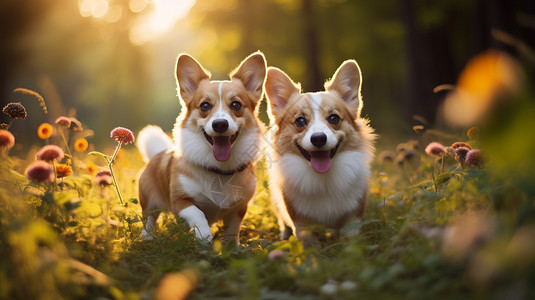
422	185
442	178
100	154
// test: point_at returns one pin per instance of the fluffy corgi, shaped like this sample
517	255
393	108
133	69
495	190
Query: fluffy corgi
321	151
206	174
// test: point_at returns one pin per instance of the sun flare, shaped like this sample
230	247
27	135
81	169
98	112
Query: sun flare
156	17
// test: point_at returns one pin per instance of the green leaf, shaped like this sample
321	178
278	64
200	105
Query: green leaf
100	154
442	178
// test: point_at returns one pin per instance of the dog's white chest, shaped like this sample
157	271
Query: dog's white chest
224	191
324	197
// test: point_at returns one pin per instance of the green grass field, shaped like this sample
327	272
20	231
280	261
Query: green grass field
430	231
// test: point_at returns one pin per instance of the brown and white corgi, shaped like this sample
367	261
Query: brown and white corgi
321	151
206	173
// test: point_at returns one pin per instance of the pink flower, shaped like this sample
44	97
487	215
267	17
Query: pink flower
75	125
122	135
7	140
63	121
49	153
434	149
103	177
474	158
276	254
39	172
460	153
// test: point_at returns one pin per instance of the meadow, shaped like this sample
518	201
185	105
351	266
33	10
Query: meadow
441	222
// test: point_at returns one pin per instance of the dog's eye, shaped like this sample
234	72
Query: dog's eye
205	106
301	121
235	105
333	119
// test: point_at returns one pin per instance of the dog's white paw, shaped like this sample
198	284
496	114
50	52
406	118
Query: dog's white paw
146	236
203	233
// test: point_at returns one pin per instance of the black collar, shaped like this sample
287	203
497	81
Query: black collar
231	172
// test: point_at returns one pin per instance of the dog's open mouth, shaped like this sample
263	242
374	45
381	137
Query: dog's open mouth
320	161
221	145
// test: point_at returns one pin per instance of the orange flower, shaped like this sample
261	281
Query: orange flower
44	131
80	145
91	168
63	170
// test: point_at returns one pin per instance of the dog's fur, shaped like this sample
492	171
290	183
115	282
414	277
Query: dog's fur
207	174
321	165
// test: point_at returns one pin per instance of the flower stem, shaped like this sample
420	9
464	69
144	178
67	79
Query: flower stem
55	175
110	163
65	141
433	173
10	122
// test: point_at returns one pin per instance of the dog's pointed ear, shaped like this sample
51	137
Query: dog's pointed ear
252	73
189	73
279	88
347	82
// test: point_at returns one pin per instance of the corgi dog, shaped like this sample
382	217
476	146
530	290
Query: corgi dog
206	173
321	152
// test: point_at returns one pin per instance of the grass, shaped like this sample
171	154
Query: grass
463	233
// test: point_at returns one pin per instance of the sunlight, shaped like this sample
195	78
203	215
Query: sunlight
156	18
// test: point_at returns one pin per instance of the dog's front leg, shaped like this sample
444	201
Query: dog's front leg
232	223
195	219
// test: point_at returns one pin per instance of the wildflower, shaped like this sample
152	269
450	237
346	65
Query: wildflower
434	149
276	254
63	170
386	156
63	121
348	285
473	158
45	131
383	178
15	110
75	125
7	140
418	129
461	144
485	77
39	172
50	153
330	288
460	154
177	285
80	145
472	133
375	191
91	168
122	135
103	178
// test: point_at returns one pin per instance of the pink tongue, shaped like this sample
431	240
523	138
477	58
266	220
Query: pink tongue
222	148
320	161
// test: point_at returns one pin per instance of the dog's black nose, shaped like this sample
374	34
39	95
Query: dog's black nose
220	125
318	139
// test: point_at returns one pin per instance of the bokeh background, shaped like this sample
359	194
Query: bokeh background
111	62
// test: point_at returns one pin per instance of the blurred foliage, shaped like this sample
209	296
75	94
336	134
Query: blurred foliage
92	67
